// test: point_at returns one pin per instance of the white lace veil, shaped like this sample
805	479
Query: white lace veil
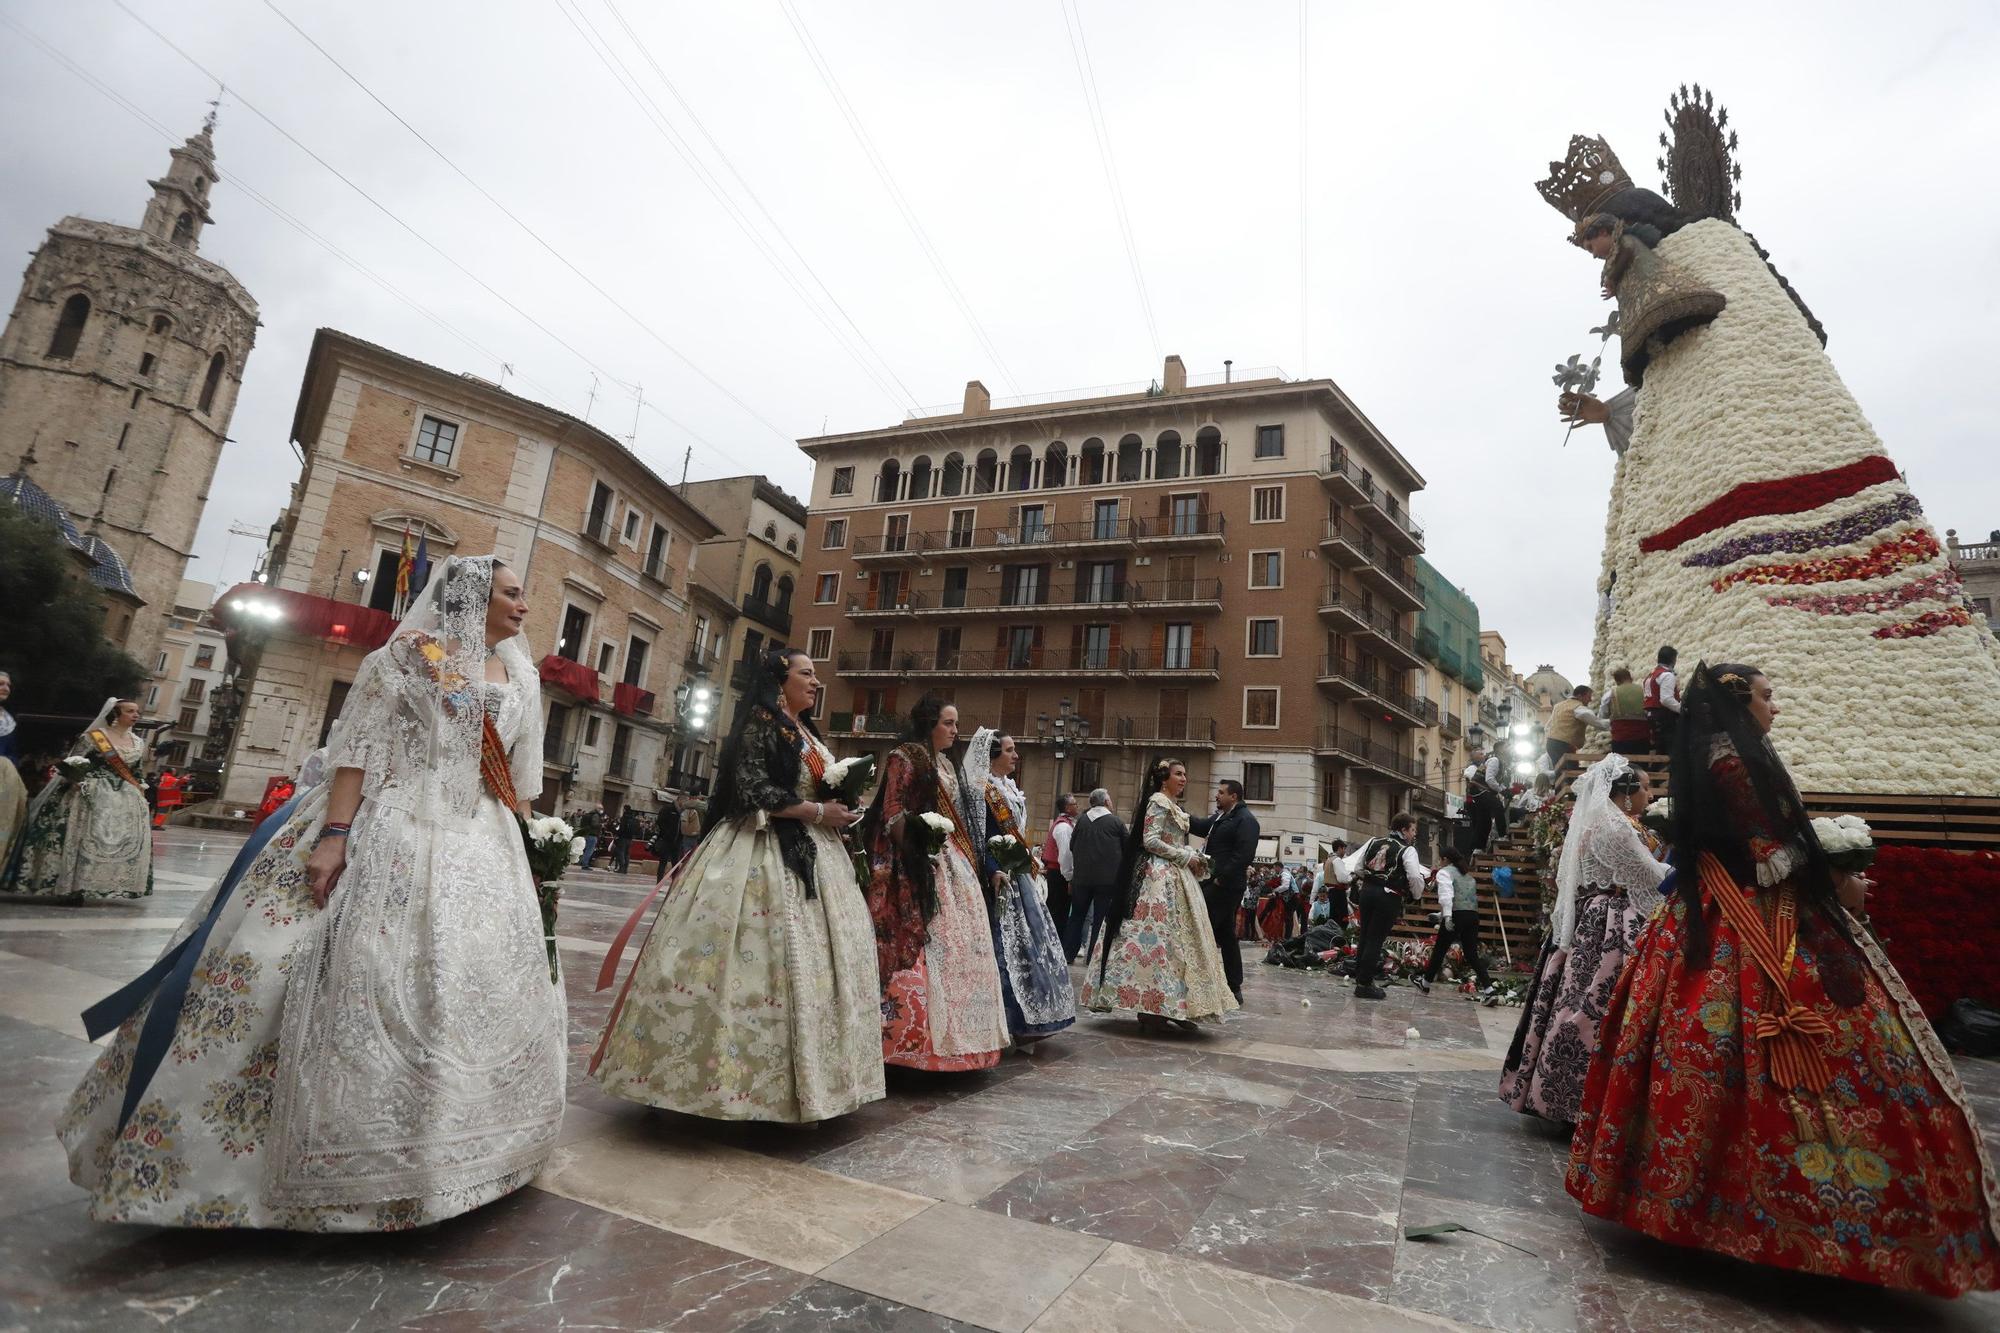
1602	849
978	770
414	718
103	718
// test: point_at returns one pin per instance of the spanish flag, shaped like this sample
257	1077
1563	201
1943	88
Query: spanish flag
403	568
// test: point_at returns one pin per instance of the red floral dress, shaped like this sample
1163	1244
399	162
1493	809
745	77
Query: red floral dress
1787	1104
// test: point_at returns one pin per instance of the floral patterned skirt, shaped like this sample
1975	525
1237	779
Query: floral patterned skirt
1550	1057
13	809
946	1012
1164	960
88	840
1684	1135
751	1001
1034	973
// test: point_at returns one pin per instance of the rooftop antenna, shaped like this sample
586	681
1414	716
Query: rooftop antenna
506	369
632	440
592	400
1227	369
686	458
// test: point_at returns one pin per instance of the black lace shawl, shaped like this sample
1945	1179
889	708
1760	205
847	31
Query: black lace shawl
760	771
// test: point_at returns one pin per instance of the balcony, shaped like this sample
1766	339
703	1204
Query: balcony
1343	680
702	661
1149	665
1196	733
1180	530
694	784
768	613
1343	614
598	530
658	570
1347	545
574	677
1452	726
631	700
855	725
1059	662
1391	583
1380	633
1353	484
998	539
989	599
1351	747
622	769
1404	532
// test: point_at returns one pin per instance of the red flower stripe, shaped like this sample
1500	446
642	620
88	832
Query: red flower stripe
1929	623
1900	553
1932	587
1783	495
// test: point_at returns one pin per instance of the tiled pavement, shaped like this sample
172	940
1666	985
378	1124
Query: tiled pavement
1257	1176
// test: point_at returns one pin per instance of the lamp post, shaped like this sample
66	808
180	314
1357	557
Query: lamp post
1064	730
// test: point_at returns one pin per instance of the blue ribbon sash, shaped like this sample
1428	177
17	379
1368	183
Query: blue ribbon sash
165	983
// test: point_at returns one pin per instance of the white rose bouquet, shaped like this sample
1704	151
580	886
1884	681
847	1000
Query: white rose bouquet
1010	854
933	828
1659	816
73	768
1848	842
849	781
551	845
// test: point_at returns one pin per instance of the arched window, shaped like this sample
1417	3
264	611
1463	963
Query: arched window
770	532
1131	458
985	473
1055	466
1208	452
1167	456
887	481
785	593
200	184
161	324
1092	459
920	479
69	328
184	227
1021	468
792	545
954	475
212	383
760	583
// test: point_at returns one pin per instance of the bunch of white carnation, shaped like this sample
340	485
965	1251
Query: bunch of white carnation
1847	840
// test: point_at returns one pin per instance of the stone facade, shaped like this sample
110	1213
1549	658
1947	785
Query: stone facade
605	547
1217	571
754	565
119	370
1978	564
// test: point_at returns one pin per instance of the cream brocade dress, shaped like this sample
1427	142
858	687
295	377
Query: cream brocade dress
1164	960
91	839
749	1000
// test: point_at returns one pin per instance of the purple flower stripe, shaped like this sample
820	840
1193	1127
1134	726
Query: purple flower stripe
1839	532
1941	586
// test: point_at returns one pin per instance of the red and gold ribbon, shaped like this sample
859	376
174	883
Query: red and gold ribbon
112	759
1790	1031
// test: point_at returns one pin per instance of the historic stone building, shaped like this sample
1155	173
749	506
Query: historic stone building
1978	564
119	369
1217	571
603	544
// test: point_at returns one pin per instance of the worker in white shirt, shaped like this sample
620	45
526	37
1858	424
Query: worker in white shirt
1566	726
1662	697
1458	923
1330	885
1387	874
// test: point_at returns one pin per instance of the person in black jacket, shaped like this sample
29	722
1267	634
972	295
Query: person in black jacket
621	842
1096	848
665	844
1232	834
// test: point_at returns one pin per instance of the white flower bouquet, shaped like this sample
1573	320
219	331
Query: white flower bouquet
1659	816
551	845
933	828
849	781
1011	856
1847	840
73	768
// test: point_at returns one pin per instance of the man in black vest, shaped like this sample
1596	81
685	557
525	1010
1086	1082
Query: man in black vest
1232	845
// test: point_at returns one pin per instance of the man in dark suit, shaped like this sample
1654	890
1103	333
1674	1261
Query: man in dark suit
1096	846
1232	845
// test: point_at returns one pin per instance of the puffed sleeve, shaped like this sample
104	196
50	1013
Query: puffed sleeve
1775	857
1158	822
896	782
525	759
754	784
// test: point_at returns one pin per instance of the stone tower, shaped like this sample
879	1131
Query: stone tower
119	369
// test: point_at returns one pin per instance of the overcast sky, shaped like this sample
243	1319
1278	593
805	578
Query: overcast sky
1383	231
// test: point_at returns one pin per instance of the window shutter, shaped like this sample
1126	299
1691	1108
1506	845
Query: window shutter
889	702
1042	585
1166	507
1035	650
871	591
1195	659
1117	634
1201	504
1076	644
1159	649
999	638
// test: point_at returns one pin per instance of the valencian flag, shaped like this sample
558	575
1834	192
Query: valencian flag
403	570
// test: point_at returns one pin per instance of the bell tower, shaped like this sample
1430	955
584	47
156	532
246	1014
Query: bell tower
119	370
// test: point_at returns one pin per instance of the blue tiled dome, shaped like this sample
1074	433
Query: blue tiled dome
107	568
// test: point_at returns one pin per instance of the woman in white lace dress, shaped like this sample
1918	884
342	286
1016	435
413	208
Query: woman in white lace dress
1159	955
89	834
362	1030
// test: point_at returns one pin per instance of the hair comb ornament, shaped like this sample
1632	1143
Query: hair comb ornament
1581	182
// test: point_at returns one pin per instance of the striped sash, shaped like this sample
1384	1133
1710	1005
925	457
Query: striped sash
1790	1031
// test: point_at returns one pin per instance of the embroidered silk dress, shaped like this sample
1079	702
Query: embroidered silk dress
393	1060
1814	1123
941	1002
1034	973
1164	960
1550	1056
91	838
751	1000
13	792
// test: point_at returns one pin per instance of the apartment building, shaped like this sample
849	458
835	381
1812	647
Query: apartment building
603	544
1452	678
187	667
1216	570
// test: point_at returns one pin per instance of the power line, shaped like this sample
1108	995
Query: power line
389	213
563	259
1305	198
1079	50
621	74
896	196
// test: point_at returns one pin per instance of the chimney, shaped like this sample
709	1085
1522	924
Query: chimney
977	400
1174	378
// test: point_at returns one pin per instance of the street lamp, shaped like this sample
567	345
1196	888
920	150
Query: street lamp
1065	730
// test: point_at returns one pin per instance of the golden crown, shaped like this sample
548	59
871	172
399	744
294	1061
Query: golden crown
1585	179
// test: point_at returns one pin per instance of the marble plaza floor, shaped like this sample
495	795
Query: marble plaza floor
1257	1176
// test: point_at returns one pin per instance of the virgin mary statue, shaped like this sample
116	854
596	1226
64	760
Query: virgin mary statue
362	1030
1756	514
